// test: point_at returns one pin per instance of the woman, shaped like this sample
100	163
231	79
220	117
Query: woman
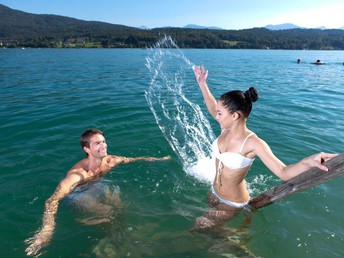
235	150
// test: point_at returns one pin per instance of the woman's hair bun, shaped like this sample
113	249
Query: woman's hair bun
252	94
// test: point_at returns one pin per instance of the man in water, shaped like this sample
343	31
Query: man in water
96	164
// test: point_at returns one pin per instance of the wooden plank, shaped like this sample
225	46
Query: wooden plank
310	178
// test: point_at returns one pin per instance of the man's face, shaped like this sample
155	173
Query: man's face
98	146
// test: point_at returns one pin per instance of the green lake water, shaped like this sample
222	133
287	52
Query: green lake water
148	103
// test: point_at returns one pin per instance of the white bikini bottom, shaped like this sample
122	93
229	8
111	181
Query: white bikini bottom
229	203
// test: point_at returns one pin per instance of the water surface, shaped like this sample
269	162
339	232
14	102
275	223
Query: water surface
50	96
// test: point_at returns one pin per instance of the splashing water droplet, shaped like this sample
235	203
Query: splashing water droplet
181	121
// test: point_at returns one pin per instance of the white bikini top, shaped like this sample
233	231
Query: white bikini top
230	159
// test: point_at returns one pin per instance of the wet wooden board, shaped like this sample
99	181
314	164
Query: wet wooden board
308	179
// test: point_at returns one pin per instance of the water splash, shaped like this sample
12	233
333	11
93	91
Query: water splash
182	122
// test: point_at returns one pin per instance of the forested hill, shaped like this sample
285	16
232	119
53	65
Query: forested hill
20	29
20	26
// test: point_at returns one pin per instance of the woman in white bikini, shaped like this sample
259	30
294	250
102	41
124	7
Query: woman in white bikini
235	150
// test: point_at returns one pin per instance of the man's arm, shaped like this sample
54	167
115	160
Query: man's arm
44	235
125	160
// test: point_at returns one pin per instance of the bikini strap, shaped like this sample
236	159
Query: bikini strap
242	146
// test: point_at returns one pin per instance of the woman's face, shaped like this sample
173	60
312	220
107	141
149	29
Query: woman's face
223	116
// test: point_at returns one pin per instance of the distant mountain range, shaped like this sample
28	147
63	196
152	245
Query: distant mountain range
289	26
284	26
189	26
194	26
21	29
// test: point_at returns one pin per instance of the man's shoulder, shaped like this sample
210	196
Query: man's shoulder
114	157
80	167
81	164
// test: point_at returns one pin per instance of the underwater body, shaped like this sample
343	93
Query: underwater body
147	103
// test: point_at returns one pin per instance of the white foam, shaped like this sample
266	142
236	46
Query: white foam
203	170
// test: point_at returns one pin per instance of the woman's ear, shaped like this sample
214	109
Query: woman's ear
236	116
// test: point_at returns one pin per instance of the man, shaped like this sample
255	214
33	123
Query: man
96	164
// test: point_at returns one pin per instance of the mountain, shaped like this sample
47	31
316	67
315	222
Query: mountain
20	29
194	26
144	27
14	24
284	26
289	26
189	26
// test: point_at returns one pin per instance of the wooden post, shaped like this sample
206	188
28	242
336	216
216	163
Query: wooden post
310	178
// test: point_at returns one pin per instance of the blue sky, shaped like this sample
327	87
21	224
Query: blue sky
227	14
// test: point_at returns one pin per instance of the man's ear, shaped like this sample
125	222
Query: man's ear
87	150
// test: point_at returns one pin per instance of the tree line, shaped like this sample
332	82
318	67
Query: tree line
257	38
20	29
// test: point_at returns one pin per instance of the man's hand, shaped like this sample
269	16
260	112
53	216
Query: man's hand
39	241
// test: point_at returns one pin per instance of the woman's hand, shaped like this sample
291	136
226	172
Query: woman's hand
318	159
201	75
